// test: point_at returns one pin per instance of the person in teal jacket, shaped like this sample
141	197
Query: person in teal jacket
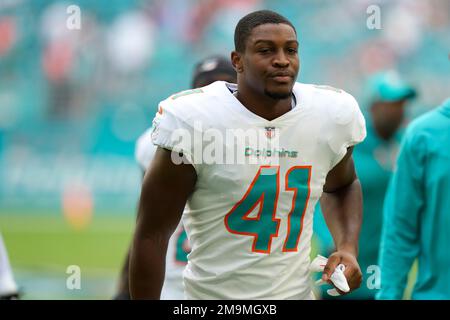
387	96
417	211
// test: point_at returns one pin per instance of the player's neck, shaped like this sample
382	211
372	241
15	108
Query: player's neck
263	105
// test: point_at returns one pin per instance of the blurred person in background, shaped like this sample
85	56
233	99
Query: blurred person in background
374	158
417	211
8	287
207	71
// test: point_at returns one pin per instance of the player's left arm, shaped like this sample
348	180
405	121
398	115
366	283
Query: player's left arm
341	205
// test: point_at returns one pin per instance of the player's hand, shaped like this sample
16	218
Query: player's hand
352	270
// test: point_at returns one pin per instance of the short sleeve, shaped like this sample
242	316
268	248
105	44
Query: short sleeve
348	124
171	130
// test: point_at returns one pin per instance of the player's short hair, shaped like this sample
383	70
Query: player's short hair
251	21
208	69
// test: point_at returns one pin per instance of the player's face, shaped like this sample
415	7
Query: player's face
270	62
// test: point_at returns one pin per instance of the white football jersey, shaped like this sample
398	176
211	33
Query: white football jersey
178	245
249	219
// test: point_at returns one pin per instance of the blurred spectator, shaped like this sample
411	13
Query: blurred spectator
374	162
417	211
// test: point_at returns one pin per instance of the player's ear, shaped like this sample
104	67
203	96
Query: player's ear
236	60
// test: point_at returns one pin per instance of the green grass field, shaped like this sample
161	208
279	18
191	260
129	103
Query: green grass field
42	246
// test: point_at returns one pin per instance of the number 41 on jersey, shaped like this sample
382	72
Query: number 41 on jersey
263	193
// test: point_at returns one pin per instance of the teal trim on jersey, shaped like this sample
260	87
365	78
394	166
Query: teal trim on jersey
374	160
181	253
186	93
297	180
417	211
263	194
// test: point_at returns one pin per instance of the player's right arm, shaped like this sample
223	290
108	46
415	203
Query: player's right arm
165	190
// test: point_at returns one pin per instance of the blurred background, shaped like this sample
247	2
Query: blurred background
74	100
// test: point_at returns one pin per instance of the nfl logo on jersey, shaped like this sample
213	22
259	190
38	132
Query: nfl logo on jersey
270	132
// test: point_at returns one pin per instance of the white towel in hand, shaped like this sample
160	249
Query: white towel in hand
337	278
